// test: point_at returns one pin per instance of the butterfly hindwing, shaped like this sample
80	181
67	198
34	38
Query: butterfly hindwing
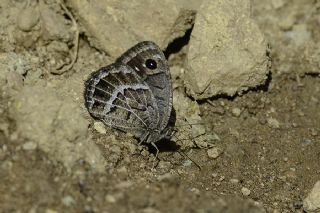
118	97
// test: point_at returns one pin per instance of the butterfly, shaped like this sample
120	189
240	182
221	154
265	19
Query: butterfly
134	94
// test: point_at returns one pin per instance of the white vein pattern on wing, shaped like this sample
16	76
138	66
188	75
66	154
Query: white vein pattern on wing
138	80
122	84
120	89
109	122
109	105
102	75
144	95
115	88
120	107
111	94
123	87
116	97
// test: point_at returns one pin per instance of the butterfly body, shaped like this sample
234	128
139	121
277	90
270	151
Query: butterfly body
134	94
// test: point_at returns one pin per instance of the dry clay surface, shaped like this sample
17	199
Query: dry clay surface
252	128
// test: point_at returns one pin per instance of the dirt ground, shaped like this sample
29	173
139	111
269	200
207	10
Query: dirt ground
264	158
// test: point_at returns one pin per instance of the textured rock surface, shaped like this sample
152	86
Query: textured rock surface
56	126
114	26
227	51
312	202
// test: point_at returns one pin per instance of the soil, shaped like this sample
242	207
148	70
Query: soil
265	157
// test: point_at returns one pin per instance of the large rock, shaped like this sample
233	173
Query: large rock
312	201
227	51
113	26
55	125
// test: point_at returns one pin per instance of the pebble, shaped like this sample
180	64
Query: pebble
124	184
313	132
245	191
145	153
110	199
187	163
131	147
123	170
221	178
29	146
164	165
167	177
122	173
234	181
195	190
273	123
306	142
213	137
312	202
115	149
68	201
262	120
51	211
150	210
99	127
214	152
236	112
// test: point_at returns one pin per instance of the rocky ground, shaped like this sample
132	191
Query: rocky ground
246	91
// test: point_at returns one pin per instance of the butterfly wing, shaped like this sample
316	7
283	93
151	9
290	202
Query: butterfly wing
149	62
118	97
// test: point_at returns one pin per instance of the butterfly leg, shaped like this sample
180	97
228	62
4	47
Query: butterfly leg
156	157
155	146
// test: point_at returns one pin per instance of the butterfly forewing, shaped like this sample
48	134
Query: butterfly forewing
157	76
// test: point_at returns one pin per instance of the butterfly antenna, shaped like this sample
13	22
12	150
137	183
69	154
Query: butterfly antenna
156	156
190	124
186	156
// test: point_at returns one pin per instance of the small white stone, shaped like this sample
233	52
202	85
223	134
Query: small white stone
221	178
150	210
29	146
187	163
195	190
99	127
273	123
68	200
51	211
245	191
236	112
312	202
167	177
123	170
214	152
234	181
110	199
124	185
